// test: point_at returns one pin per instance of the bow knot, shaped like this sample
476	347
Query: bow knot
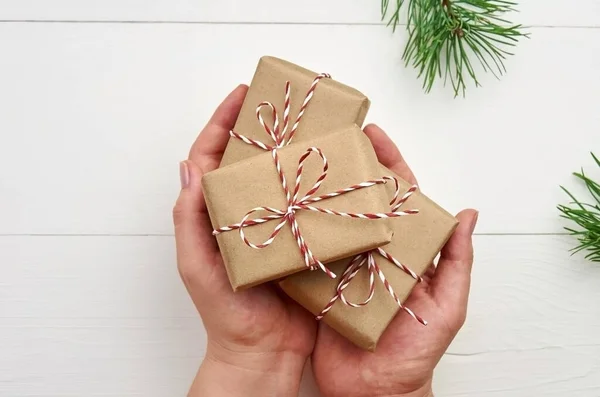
294	204
281	138
374	270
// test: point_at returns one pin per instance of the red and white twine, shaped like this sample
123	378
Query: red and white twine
280	139
280	136
295	203
374	270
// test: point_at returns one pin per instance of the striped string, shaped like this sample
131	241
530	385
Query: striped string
374	270
294	204
281	138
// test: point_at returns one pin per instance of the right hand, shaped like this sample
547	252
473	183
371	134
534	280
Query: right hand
407	352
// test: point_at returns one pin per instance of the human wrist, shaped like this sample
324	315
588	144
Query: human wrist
249	374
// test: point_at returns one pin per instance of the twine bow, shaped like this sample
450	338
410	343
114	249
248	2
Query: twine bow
281	138
374	270
294	204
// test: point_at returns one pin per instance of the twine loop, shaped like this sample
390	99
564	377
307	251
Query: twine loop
295	204
368	259
281	138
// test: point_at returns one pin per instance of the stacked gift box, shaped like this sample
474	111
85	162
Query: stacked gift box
301	200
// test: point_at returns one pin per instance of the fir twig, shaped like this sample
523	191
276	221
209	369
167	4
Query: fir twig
445	37
586	216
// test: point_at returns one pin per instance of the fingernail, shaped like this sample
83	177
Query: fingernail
474	222
184	174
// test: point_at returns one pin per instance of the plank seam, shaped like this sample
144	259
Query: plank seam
167	22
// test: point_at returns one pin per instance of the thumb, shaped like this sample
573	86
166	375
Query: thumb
452	279
196	247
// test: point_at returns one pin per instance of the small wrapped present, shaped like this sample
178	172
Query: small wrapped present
333	105
372	287
299	207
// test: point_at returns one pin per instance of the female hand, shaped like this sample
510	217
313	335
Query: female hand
257	340
407	353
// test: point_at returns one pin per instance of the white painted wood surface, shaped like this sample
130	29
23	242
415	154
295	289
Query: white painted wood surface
103	113
584	13
107	315
95	116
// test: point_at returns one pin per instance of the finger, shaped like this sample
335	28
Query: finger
388	153
198	256
193	231
210	144
452	280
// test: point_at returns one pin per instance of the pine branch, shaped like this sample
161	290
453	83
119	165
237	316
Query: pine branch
586	216
446	37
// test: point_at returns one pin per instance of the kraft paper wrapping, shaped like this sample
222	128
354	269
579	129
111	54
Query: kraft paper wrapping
417	240
333	106
234	190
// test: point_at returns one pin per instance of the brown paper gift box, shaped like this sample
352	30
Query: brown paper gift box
232	191
417	240
333	106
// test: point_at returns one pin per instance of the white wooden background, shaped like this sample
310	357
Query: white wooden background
100	100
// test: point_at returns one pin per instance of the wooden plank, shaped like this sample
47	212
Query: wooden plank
532	12
531	325
96	117
108	316
550	372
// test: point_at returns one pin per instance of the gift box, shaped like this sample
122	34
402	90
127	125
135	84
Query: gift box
416	241
253	218
326	105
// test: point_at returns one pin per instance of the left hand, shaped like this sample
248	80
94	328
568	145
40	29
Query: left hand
257	340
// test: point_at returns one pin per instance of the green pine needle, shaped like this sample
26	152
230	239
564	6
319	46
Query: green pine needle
445	37
586	216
